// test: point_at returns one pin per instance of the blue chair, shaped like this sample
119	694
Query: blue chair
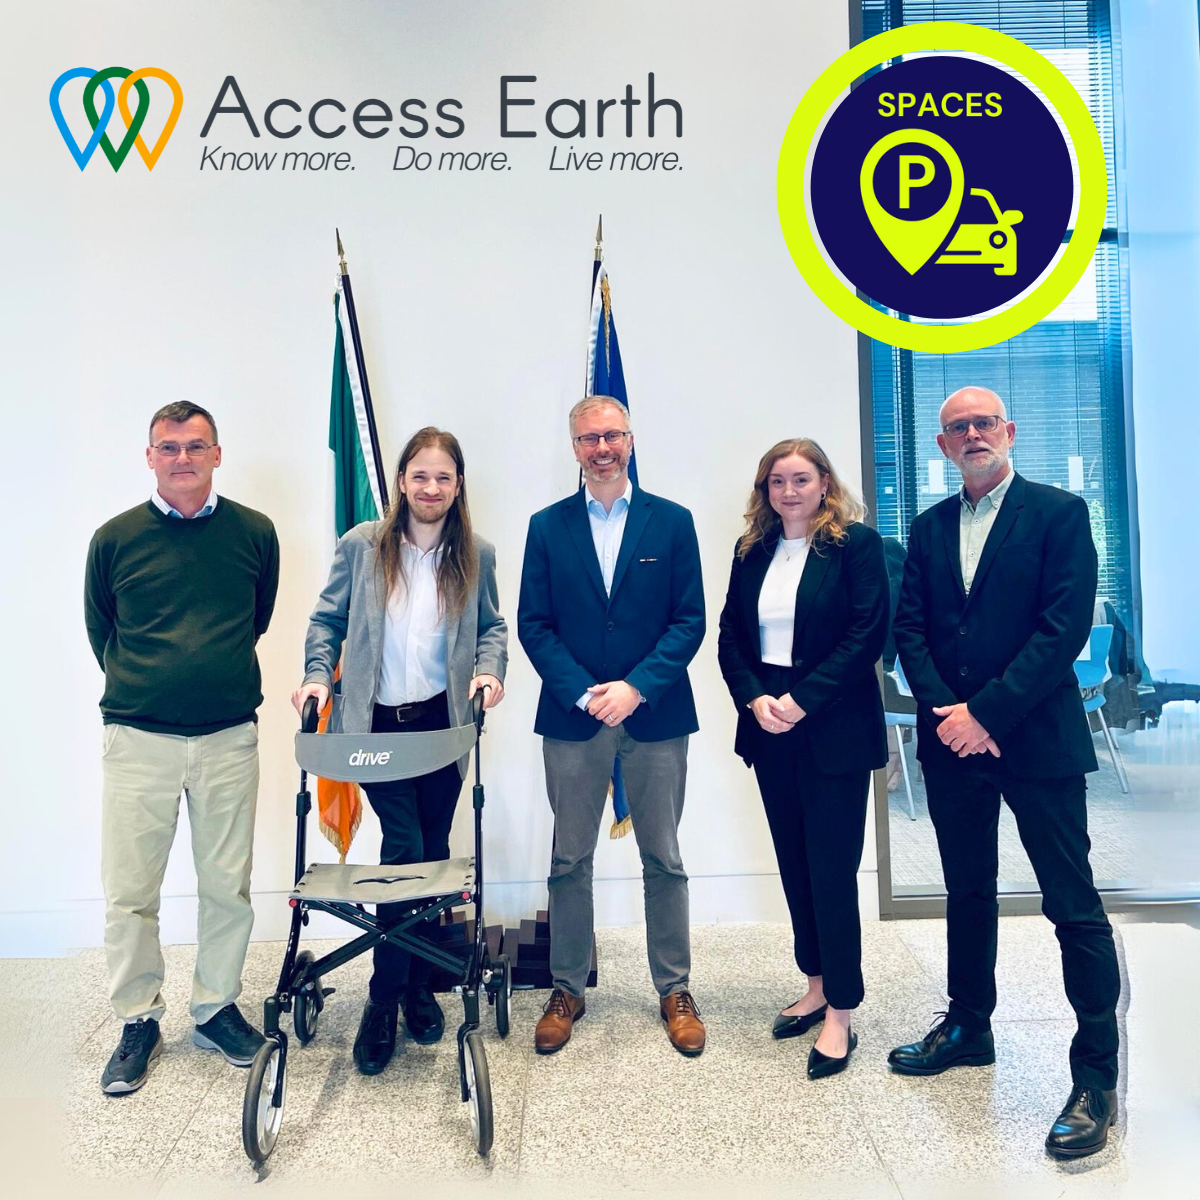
894	721
1092	673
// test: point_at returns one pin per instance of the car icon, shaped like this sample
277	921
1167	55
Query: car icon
986	244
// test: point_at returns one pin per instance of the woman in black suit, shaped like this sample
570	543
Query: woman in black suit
804	623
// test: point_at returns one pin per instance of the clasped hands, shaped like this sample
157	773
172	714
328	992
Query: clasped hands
776	714
612	702
962	733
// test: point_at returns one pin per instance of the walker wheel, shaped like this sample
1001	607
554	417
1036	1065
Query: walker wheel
262	1108
479	1091
307	1000
502	976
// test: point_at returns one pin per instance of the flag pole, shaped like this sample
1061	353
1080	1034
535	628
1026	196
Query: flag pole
360	360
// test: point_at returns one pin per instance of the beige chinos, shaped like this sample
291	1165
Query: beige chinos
144	776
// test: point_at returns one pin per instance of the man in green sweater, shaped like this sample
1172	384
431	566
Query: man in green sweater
178	591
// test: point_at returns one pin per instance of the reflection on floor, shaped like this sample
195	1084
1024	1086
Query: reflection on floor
618	1111
1149	837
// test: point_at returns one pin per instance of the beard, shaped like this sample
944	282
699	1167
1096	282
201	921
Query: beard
426	515
983	464
620	462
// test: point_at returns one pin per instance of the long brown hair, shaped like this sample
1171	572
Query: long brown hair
839	508
458	568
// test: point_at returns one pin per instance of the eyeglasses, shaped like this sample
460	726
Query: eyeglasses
614	437
191	449
958	429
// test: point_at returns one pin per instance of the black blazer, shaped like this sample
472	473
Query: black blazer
841	625
646	632
1009	648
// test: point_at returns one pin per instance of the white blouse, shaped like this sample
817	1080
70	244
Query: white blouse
777	601
412	666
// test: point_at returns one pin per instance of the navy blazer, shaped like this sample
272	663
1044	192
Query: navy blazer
841	625
1009	647
646	632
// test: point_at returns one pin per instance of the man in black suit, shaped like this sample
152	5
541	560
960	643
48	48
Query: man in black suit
996	605
611	613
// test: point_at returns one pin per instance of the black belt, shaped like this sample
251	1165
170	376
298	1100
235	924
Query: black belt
417	709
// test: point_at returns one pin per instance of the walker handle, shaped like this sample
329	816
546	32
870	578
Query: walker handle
308	718
477	707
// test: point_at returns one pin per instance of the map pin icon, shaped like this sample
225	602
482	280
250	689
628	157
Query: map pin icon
911	243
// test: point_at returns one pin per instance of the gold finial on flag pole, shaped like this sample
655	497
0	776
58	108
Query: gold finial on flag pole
599	237
341	252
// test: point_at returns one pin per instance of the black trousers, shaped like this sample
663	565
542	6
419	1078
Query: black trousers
817	824
416	815
1051	816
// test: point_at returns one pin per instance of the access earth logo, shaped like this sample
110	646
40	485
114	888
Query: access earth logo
941	188
98	81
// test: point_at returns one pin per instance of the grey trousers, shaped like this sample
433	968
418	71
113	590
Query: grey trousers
577	775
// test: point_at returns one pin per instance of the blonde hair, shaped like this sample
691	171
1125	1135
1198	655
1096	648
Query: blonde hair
589	404
839	508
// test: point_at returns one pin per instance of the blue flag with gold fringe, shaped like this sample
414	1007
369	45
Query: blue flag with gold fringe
606	377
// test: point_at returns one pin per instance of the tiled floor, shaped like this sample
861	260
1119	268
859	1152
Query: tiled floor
618	1111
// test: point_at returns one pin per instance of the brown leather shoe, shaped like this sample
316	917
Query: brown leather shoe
553	1030
682	1018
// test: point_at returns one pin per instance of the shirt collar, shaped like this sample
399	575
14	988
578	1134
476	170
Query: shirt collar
206	509
595	506
994	498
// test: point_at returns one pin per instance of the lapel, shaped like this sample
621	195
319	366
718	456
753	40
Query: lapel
949	513
754	571
635	524
375	602
1010	509
816	568
576	517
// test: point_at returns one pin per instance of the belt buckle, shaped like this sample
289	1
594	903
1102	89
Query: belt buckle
404	713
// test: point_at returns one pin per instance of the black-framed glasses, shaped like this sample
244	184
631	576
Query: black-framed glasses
614	437
958	429
191	449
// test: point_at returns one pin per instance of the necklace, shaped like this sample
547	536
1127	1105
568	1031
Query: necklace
787	557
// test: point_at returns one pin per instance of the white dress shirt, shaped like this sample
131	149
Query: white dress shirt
205	509
412	666
608	529
975	523
777	601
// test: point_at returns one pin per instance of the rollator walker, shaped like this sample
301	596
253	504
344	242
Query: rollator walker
426	889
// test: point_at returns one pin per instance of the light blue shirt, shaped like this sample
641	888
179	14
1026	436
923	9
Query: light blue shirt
608	528
205	511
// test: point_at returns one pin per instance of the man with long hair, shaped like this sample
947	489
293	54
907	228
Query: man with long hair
411	608
611	613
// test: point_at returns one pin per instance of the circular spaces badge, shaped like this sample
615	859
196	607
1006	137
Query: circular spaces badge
941	187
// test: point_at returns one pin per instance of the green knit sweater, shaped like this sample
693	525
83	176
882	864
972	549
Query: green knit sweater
173	610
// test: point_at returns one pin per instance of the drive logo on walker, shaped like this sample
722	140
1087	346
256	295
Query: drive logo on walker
941	187
370	758
100	121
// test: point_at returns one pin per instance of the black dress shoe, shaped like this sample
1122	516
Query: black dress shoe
786	1027
1082	1126
947	1044
376	1040
820	1065
423	1016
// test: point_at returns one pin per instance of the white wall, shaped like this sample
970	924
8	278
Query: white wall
128	290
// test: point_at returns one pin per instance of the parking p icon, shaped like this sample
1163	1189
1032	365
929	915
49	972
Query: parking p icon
912	242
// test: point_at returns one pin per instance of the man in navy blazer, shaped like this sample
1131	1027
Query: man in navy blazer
611	613
996	604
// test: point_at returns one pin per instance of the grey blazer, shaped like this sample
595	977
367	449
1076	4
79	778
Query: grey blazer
348	623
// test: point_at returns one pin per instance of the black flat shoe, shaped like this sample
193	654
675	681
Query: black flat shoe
1082	1126
376	1040
786	1027
946	1045
820	1065
422	1016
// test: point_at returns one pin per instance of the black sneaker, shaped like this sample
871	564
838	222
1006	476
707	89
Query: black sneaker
229	1032
141	1043
422	1016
